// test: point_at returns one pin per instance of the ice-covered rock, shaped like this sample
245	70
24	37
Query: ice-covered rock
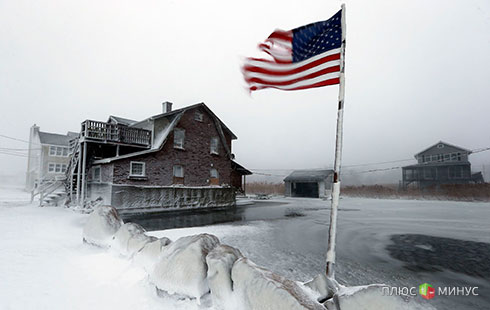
182	267
257	288
129	239
148	255
323	286
220	261
369	297
101	226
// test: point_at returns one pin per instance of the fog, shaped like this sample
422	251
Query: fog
417	72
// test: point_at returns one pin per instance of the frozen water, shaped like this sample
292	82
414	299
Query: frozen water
149	254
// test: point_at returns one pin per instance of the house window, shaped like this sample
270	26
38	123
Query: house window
214	145
179	136
214	173
447	157
440	146
137	169
63	168
453	156
96	174
178	171
51	167
428	173
59	151
434	158
198	116
459	156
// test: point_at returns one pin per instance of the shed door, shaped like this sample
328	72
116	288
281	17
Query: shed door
305	190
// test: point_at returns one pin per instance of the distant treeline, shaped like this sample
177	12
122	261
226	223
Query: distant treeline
265	188
464	192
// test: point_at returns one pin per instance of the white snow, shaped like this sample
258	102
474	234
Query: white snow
220	262
148	256
182	268
101	226
129	239
260	289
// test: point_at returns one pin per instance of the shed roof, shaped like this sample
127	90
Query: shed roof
54	138
308	175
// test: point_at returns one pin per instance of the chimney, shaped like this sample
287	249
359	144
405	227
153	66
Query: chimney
166	107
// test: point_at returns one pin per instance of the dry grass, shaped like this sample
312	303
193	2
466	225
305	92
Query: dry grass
265	188
463	192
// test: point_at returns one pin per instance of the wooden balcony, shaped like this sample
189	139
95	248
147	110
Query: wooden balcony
115	133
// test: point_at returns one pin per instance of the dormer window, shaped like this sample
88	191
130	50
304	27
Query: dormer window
198	116
179	137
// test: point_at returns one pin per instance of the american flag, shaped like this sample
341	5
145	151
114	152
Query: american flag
305	57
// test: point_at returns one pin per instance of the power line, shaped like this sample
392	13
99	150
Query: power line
16	139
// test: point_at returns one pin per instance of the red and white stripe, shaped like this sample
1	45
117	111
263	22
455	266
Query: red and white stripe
281	73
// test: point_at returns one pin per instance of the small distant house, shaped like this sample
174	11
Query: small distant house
309	183
48	157
442	163
176	159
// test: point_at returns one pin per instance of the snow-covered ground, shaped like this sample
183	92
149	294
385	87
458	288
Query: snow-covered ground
45	265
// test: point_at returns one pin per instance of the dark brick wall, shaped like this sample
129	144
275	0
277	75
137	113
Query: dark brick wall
195	158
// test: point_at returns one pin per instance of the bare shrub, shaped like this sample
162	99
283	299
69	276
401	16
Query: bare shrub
265	188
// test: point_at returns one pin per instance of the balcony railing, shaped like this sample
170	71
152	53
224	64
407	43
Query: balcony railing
117	133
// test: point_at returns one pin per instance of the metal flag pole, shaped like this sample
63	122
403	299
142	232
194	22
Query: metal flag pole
338	157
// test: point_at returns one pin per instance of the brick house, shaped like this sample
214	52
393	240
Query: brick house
177	159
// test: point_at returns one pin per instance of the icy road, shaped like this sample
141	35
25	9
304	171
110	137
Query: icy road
401	243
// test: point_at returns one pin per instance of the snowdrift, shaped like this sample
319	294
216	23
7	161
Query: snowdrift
148	255
181	267
129	239
260	289
101	226
220	262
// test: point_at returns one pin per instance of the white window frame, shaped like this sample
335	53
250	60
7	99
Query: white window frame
143	170
179	144
51	167
215	149
175	169
59	151
95	177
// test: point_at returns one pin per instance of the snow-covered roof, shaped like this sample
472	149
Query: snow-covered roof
121	120
55	138
159	141
308	175
240	169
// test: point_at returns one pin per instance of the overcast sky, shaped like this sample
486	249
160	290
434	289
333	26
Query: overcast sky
416	72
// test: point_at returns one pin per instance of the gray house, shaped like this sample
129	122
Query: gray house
48	157
309	183
442	163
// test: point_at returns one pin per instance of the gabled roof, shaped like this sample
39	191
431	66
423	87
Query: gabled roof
233	136
308	175
54	138
240	169
121	120
458	147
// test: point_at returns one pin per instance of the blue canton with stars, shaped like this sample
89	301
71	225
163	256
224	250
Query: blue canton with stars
317	38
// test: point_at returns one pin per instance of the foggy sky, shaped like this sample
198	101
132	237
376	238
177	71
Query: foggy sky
416	72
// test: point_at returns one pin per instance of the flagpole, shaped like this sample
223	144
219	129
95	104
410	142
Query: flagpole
338	158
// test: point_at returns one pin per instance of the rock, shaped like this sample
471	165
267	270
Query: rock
129	239
257	288
149	254
323	286
101	226
182	267
220	261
